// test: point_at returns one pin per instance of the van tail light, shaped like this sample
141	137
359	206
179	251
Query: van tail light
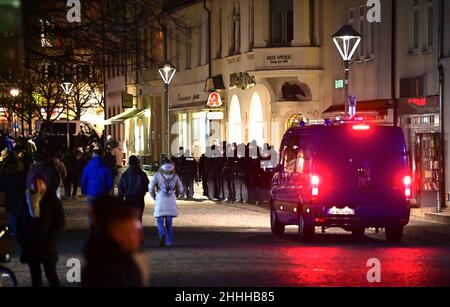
407	182
315	180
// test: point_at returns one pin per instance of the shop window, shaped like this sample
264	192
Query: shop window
281	22
256	122
235	121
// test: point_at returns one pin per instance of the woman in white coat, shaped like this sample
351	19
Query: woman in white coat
162	189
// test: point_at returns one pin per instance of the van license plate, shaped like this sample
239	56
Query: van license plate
341	211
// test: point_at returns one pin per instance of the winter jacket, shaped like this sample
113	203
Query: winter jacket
164	183
97	178
133	183
52	178
13	183
38	237
14	186
60	168
108	266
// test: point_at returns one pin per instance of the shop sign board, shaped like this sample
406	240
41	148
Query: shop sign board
214	100
127	100
215	115
280	59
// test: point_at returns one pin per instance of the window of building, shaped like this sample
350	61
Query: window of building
251	23
282	22
362	30
430	26
312	23
415	26
200	47
219	33
188	46
235	28
371	40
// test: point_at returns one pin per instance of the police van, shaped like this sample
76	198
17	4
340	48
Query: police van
352	175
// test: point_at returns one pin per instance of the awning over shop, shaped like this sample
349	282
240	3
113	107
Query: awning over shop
128	114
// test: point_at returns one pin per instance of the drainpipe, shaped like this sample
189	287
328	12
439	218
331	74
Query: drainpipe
209	39
442	193
394	62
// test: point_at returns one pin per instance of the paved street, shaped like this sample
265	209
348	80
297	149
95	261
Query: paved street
228	245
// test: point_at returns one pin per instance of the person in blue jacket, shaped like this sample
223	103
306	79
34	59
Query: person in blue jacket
97	180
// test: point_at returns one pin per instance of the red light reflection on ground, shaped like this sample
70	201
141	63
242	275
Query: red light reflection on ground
340	266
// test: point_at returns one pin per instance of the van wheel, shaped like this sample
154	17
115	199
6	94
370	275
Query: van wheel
305	233
358	232
394	234
275	224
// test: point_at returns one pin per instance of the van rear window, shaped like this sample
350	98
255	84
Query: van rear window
381	153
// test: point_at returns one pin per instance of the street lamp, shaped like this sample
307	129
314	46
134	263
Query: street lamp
167	72
67	87
347	41
14	92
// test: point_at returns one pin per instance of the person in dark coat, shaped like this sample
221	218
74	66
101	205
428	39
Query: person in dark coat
112	252
188	173
202	174
13	184
39	224
133	186
41	165
70	162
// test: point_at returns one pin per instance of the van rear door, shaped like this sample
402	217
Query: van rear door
361	167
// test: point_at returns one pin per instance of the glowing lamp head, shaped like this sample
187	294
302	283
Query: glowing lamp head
347	41
14	92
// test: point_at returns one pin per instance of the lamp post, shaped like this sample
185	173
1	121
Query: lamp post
347	41
167	72
67	87
15	93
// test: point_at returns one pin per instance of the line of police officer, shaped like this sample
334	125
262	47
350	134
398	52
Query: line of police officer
229	173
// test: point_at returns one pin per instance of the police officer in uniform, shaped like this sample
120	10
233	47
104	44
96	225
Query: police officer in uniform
188	167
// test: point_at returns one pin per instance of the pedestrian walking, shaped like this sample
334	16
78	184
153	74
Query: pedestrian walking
118	155
13	184
133	186
112	253
39	224
60	169
162	188
97	180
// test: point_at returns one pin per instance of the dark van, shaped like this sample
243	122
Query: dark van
353	176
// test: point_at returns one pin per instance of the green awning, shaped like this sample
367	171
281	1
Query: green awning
128	114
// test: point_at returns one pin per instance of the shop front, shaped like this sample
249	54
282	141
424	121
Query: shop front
419	118
198	124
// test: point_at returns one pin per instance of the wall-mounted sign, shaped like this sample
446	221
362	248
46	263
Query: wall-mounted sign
279	59
215	115
338	84
214	100
242	80
127	100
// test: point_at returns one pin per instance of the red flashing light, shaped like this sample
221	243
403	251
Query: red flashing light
407	182
361	127
315	180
